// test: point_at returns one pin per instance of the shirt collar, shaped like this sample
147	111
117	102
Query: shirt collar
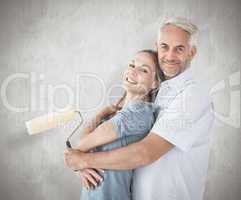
179	80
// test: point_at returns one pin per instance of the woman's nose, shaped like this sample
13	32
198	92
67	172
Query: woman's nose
133	71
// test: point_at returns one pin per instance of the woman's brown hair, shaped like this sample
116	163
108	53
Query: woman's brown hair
159	76
111	110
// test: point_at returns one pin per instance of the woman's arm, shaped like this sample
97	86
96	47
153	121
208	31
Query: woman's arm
89	177
97	120
103	134
135	119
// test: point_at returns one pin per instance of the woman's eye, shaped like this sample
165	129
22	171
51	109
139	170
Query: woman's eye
131	65
144	70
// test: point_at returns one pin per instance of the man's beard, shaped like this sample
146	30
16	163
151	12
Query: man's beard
182	68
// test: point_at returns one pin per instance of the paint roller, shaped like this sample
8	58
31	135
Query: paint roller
54	120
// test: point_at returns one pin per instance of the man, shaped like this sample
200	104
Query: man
172	160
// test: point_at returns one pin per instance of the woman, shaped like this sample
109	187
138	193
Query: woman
126	122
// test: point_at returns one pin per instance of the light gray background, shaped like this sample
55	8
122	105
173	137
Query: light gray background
57	40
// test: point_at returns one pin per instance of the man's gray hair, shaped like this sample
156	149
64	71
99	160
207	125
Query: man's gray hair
185	25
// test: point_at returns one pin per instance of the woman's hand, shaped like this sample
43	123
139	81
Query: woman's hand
90	178
74	159
106	111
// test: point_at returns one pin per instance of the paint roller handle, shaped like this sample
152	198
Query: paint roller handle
68	144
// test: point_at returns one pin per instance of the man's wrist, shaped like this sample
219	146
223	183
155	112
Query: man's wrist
85	158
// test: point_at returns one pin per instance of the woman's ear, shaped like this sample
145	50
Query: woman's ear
155	84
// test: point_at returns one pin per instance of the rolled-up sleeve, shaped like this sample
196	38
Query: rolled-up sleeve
183	121
135	119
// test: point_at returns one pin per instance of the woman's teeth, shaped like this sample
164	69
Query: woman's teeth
131	81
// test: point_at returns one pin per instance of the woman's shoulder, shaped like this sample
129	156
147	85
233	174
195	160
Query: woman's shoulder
141	106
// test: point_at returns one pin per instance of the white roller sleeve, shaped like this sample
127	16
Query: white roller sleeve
49	121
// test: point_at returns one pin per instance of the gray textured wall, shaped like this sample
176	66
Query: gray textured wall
52	52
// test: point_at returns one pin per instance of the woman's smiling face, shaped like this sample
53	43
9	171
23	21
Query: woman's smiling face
140	76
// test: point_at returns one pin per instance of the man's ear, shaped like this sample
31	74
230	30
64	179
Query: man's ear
193	52
156	46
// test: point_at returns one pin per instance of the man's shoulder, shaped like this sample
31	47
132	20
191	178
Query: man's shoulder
197	90
189	91
189	85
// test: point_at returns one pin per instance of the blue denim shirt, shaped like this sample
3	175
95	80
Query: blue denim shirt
132	124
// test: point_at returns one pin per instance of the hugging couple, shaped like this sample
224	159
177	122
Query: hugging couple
153	144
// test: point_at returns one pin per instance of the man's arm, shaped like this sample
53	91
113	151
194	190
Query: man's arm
132	156
138	154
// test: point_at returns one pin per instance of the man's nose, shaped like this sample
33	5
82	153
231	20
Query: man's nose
170	55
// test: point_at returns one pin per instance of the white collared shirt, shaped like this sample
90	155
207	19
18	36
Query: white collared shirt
184	120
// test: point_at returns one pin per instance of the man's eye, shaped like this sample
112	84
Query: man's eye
180	50
163	47
131	65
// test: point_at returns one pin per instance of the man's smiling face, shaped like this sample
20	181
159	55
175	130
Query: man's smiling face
174	50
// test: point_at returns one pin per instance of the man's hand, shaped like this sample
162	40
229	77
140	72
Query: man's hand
74	159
